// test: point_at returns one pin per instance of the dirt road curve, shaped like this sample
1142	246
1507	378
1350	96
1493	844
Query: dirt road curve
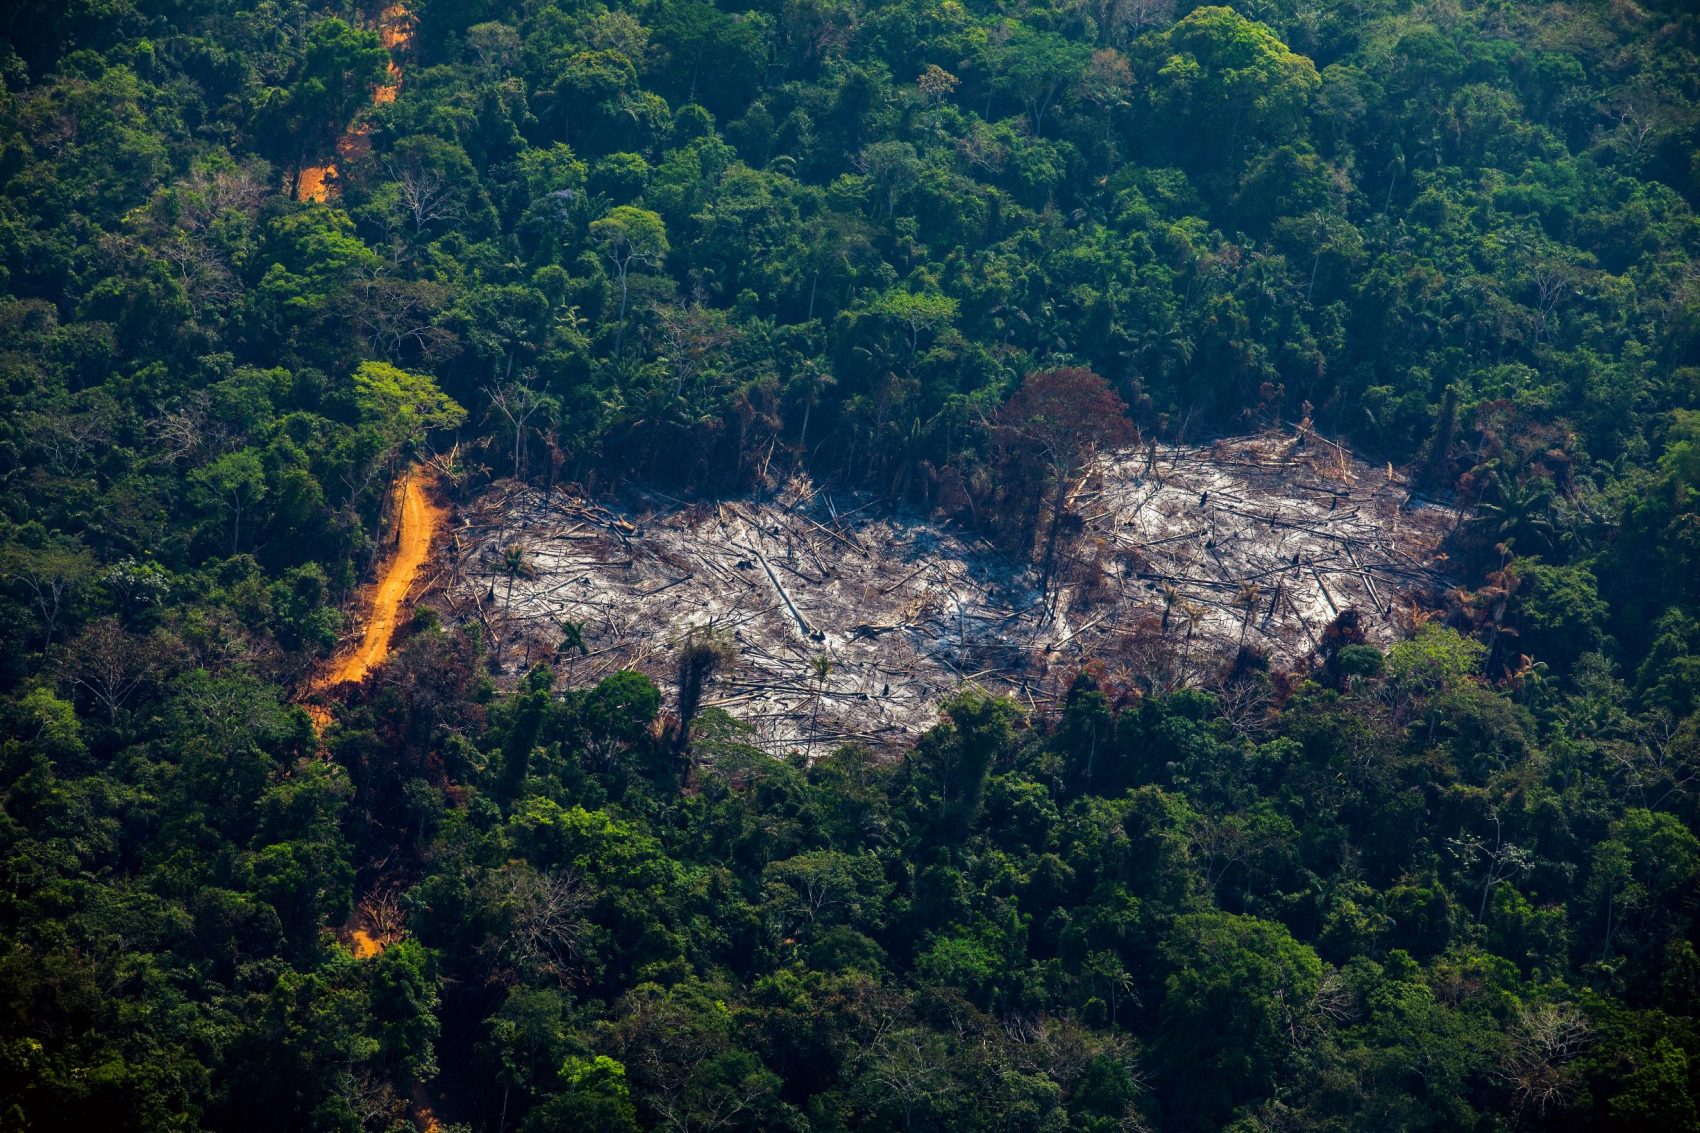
418	523
418	519
320	182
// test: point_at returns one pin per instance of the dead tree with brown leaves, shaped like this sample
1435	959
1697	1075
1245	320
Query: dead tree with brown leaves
1048	435
704	652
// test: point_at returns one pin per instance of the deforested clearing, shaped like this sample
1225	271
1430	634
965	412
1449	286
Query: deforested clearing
853	619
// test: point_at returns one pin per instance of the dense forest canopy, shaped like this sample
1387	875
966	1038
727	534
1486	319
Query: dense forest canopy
262	257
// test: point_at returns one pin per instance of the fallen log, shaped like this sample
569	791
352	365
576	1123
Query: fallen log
888	589
773	576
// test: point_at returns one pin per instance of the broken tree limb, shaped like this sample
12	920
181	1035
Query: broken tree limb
888	589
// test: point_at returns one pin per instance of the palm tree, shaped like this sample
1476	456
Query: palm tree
704	652
514	564
572	639
1514	510
822	666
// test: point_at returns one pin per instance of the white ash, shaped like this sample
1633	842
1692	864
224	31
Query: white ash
1184	555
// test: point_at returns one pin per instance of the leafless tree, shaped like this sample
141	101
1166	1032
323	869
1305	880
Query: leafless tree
384	913
185	429
203	272
207	195
543	923
910	1067
1244	703
109	664
1334	1002
1220	844
495	46
1497	861
1640	117
183	233
1538	1066
1661	758
51	575
68	442
398	316
426	197
694	340
1555	285
1119	20
372	1100
516	402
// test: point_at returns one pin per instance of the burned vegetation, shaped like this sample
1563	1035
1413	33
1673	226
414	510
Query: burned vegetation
840	619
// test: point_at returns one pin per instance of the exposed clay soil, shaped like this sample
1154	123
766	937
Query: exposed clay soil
319	182
418	520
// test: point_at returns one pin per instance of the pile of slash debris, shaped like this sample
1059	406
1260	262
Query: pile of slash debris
852	619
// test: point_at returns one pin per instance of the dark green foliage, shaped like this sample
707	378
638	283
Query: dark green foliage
943	252
1230	1005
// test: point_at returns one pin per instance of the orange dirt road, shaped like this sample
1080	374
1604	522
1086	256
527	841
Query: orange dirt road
319	182
417	524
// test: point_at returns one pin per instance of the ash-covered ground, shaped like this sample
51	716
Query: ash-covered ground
1181	556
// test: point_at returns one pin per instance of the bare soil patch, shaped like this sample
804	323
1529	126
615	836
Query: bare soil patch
1183	555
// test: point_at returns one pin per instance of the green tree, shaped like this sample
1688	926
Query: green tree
1559	612
235	481
1038	67
955	757
1515	512
404	406
1221	75
1656	1094
401	408
1238	988
812	892
629	236
404	1002
593	1095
